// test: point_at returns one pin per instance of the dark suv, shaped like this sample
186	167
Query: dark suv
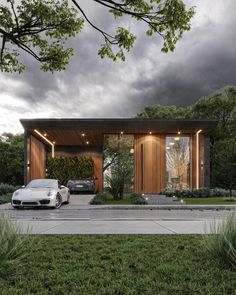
86	185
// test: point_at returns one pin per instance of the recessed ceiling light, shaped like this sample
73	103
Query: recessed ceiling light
53	142
83	134
179	132
150	132
87	142
45	134
121	132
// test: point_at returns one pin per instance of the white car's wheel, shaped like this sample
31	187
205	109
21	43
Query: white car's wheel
58	201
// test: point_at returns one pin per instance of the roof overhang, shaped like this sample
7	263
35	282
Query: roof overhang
69	131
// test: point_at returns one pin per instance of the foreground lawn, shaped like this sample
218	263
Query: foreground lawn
112	265
5	199
209	201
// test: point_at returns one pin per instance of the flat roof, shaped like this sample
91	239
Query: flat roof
63	130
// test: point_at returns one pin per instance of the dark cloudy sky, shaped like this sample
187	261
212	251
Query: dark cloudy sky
203	62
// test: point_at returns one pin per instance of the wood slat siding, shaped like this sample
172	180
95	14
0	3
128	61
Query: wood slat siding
194	161
149	164
37	159
201	160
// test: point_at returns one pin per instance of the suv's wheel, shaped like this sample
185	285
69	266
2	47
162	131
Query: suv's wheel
58	201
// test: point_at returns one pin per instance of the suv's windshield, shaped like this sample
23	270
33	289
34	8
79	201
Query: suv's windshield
44	183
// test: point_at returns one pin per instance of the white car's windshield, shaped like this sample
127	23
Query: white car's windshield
39	183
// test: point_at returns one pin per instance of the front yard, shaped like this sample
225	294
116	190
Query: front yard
112	265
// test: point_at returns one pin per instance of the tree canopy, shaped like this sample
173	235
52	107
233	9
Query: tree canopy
41	27
12	158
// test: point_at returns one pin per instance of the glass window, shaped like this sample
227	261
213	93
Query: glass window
178	162
118	164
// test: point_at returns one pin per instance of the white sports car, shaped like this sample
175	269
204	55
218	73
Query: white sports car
41	192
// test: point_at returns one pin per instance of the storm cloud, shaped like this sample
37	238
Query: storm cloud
203	62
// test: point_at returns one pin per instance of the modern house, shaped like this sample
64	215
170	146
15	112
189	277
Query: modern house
166	153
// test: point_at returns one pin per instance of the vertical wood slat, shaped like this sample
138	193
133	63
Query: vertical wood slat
162	162
37	158
194	161
201	160
153	162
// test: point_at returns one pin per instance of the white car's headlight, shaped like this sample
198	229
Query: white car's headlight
16	193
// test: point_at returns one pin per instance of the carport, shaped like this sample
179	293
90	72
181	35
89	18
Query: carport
73	137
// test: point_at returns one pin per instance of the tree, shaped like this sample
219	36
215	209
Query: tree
12	158
41	28
157	111
118	163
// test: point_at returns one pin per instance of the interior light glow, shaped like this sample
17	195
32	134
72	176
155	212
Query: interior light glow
167	147
150	132
131	151
176	138
172	143
121	132
48	141
83	134
197	158
87	142
45	134
179	132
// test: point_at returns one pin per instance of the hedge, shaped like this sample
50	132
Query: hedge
198	193
66	168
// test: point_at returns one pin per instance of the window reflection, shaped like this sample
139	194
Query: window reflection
177	162
118	163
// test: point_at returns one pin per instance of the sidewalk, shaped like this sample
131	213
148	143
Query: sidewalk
100	227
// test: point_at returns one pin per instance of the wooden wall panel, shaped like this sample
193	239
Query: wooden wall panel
201	160
162	162
193	150
150	163
37	160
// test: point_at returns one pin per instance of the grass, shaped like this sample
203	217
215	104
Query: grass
125	201
119	265
5	198
209	201
12	245
221	244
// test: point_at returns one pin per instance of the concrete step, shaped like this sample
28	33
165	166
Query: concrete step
153	199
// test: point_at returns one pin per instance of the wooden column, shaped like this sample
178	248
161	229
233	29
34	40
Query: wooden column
37	161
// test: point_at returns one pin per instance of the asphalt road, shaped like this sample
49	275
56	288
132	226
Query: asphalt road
80	218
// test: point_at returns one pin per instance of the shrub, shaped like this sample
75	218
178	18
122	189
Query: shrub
12	245
197	193
137	199
100	198
221	243
6	188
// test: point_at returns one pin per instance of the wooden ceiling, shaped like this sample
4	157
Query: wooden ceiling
69	131
72	137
